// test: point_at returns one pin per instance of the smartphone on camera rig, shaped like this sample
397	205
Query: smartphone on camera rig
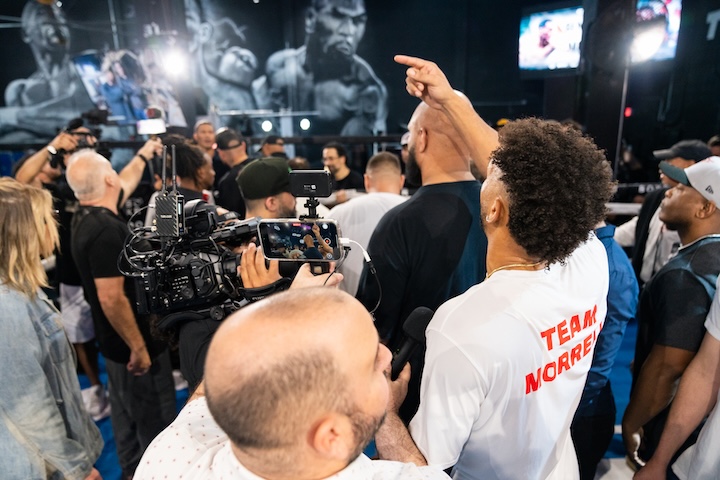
308	240
310	184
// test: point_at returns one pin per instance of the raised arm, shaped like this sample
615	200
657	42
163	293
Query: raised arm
32	166
427	82
131	174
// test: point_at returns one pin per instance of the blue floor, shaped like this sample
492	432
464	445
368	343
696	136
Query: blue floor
107	464
620	378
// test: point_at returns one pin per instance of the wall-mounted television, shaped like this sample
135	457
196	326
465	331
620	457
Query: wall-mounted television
549	39
656	30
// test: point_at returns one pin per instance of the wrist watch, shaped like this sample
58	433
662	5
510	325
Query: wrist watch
52	150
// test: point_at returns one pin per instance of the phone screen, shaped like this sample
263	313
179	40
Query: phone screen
303	241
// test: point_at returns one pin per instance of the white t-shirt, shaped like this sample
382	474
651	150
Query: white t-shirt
661	244
194	447
702	460
357	219
505	368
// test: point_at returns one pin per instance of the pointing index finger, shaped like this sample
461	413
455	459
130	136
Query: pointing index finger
410	61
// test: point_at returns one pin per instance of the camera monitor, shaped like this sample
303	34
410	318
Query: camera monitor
550	39
656	30
303	241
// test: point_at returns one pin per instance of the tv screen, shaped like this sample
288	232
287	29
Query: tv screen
656	31
550	40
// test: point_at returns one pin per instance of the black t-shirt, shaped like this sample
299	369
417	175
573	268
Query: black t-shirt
98	239
66	204
353	180
671	312
228	192
425	251
675	302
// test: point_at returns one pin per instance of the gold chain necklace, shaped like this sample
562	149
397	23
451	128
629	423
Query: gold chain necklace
513	265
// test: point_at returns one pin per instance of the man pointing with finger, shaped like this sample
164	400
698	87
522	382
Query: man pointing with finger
506	361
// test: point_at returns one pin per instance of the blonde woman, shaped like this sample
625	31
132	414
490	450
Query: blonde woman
44	429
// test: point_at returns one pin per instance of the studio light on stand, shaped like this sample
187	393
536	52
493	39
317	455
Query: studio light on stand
648	36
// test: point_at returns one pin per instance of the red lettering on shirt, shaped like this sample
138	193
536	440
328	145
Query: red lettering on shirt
565	331
575	325
563	362
587	344
532	382
546	372
563	334
590	317
547	335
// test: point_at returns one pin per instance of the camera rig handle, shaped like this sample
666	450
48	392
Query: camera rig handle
311	204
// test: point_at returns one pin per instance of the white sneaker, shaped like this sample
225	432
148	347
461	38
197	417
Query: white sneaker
96	402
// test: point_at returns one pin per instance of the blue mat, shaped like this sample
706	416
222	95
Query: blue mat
108	464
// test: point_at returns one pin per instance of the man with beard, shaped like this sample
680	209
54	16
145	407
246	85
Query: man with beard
292	390
265	188
334	158
674	305
326	75
432	247
507	361
225	68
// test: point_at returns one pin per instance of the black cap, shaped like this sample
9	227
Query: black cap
227	139
694	150
264	178
271	140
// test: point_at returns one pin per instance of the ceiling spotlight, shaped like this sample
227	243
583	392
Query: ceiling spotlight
266	125
305	124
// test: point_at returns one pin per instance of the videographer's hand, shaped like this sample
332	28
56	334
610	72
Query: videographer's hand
252	269
305	278
64	141
151	148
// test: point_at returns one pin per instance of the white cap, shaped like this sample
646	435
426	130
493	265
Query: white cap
703	176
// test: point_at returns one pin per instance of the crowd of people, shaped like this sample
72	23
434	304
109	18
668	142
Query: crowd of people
531	290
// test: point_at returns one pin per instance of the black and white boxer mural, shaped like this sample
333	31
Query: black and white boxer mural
52	94
326	74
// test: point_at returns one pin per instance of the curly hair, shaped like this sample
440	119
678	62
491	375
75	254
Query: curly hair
558	182
190	159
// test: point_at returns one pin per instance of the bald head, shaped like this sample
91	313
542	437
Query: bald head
436	145
87	174
275	367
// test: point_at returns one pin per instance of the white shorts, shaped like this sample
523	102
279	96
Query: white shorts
76	314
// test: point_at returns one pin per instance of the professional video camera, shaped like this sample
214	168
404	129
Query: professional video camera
185	262
58	158
194	270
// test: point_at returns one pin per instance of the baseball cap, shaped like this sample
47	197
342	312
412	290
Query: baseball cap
405	139
264	178
202	121
688	149
272	140
704	176
227	139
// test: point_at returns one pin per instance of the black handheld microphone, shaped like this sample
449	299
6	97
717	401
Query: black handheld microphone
414	328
